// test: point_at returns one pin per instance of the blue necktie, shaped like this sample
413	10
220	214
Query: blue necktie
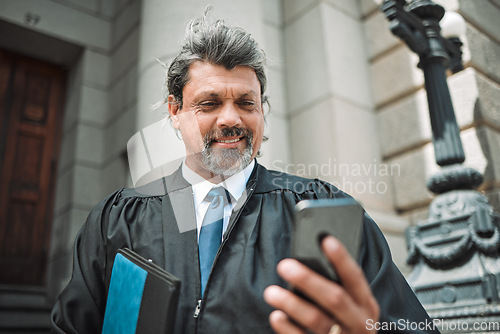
211	232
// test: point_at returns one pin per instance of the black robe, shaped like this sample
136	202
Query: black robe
257	238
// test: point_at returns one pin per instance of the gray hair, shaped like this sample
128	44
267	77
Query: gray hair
216	43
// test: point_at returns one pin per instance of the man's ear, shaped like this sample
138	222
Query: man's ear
173	110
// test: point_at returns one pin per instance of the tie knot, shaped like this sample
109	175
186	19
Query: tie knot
218	192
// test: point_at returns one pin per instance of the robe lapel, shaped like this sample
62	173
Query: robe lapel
179	221
181	247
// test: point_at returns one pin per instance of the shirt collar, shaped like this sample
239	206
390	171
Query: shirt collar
235	184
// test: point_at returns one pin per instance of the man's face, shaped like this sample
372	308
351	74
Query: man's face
221	120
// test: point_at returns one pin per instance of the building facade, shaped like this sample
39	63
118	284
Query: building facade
348	105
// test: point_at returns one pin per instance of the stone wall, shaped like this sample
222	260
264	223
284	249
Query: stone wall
333	121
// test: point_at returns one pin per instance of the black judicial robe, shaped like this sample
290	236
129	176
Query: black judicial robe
158	222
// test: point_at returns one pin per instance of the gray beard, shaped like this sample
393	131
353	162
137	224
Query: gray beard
227	161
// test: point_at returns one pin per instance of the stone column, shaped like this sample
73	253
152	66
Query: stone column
333	123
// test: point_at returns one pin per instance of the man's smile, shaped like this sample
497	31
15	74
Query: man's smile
228	142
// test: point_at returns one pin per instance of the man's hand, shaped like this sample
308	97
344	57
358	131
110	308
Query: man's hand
349	305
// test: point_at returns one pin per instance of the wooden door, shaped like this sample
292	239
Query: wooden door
31	94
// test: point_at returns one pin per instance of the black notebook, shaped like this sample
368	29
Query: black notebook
142	297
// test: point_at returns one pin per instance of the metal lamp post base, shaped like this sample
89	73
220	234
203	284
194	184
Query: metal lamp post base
456	272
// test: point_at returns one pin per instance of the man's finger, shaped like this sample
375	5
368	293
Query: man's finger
350	274
301	311
281	324
327	294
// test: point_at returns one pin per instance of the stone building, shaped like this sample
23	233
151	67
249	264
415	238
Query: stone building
347	105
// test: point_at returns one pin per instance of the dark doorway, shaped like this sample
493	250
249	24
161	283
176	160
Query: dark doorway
31	110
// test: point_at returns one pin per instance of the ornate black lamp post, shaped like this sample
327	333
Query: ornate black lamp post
455	252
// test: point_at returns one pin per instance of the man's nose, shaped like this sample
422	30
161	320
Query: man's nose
228	116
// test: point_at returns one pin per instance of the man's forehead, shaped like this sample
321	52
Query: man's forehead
214	91
207	78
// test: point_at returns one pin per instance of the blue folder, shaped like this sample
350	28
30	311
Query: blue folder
142	297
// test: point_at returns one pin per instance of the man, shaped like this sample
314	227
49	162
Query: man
216	89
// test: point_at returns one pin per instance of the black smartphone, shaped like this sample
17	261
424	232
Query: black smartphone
315	219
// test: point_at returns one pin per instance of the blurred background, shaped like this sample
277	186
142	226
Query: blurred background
78	79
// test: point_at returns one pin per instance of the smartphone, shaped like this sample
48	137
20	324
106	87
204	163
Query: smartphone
315	219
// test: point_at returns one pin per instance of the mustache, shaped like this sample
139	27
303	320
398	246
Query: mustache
212	135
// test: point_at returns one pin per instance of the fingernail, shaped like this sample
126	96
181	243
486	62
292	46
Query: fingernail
271	293
287	267
331	243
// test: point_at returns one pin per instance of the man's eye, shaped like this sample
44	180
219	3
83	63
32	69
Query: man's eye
208	105
247	105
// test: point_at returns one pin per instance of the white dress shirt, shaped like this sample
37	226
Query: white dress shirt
235	185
